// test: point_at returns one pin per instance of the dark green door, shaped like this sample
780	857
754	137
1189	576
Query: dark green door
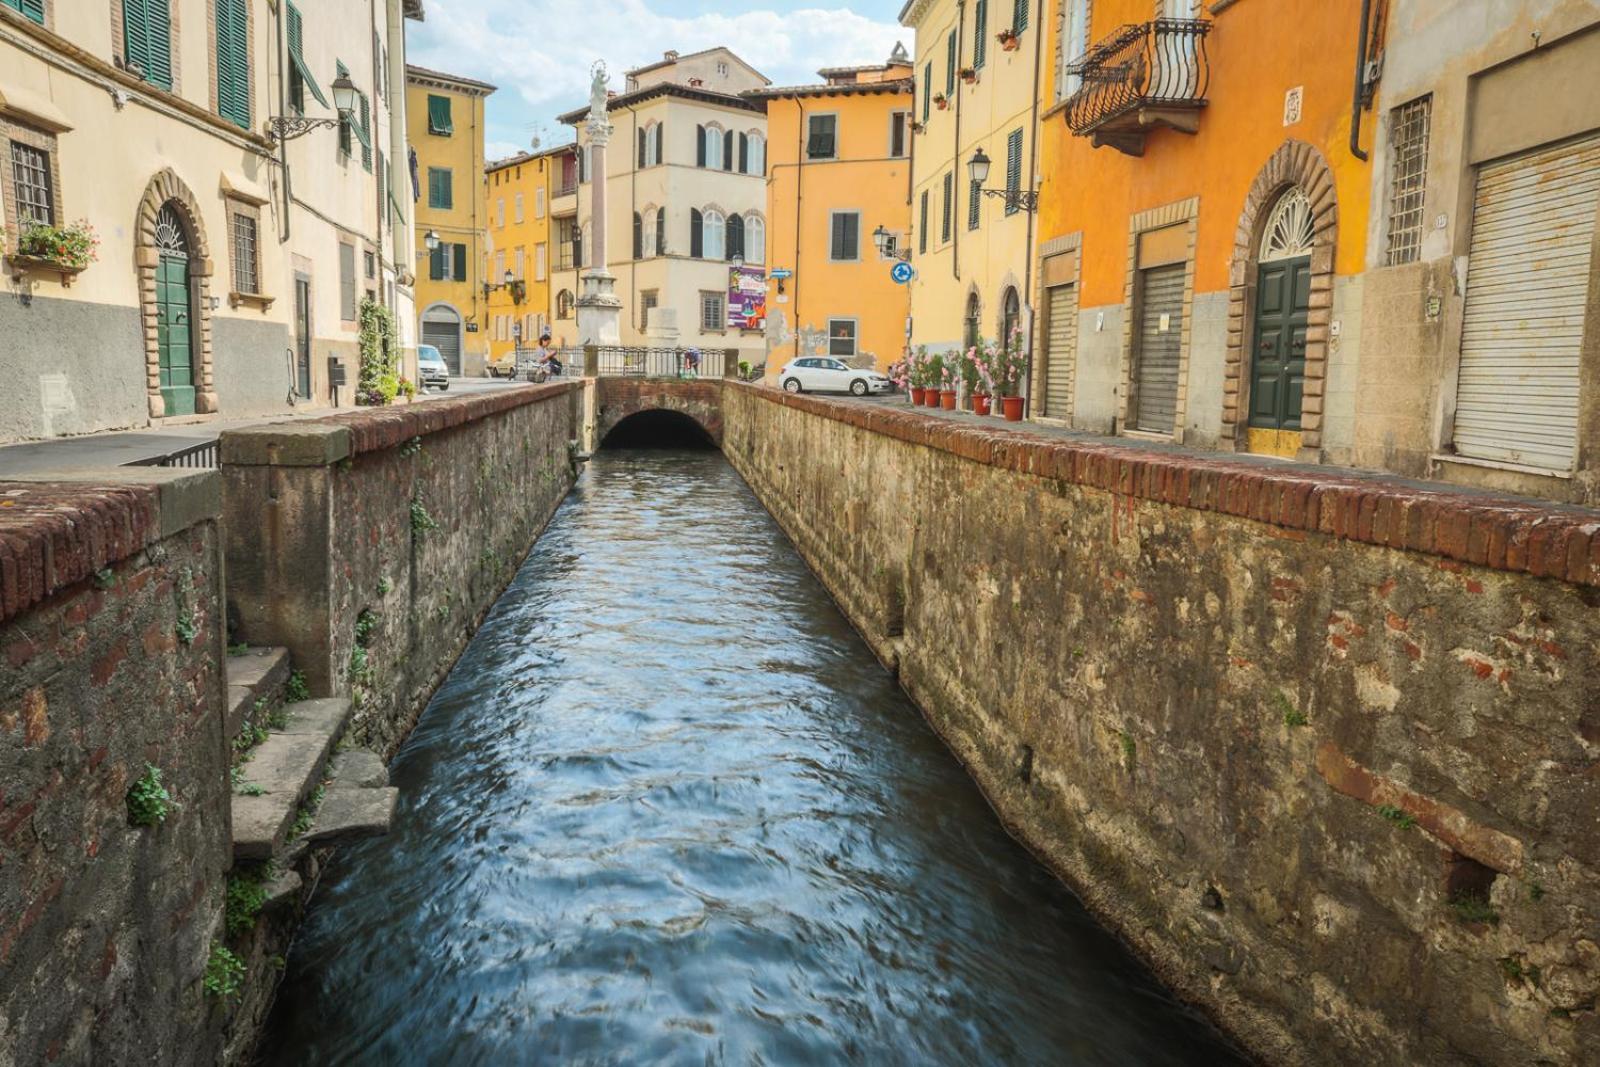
174	312
1278	371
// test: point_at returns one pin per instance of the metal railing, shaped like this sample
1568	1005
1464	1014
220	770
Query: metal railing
1159	64
628	362
203	456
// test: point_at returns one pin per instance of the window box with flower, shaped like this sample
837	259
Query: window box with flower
1008	40
969	75
65	250
941	101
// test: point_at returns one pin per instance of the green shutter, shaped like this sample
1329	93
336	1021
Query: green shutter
460	258
363	131
950	64
980	33
233	62
927	87
147	39
439	115
440	194
1013	168
1019	15
33	9
436	263
297	56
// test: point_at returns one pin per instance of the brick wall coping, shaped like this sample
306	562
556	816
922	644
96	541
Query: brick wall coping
58	529
1513	534
327	440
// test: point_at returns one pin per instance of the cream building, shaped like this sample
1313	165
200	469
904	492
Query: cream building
686	194
227	258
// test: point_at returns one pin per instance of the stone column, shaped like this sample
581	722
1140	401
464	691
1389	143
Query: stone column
599	309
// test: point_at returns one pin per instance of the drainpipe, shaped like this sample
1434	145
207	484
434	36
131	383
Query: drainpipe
1033	172
283	144
799	199
405	258
1361	76
955	167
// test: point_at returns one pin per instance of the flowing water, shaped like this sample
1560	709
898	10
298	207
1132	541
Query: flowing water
667	808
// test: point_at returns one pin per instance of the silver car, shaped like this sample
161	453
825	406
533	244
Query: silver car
432	372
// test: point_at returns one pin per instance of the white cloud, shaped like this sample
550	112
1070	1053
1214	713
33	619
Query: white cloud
539	51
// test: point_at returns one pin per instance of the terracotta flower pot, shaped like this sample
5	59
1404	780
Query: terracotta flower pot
918	394
1013	408
947	399
980	404
931	398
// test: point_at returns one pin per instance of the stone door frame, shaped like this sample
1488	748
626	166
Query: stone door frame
1295	163
167	188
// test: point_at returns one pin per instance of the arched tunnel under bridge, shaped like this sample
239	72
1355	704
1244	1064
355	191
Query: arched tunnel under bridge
658	428
658	413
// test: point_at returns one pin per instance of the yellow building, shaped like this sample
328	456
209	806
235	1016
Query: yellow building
975	92
839	171
520	191
445	122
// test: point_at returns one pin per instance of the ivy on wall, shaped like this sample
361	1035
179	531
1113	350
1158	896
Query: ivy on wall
380	380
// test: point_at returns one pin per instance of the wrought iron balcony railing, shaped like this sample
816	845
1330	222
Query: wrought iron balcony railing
1144	75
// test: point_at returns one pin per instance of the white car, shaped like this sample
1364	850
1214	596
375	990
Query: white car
824	374
432	372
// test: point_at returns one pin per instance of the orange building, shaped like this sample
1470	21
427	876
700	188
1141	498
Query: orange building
839	170
1203	222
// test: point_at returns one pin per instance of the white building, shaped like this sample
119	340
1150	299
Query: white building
686	196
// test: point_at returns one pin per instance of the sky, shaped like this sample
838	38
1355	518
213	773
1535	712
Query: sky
538	52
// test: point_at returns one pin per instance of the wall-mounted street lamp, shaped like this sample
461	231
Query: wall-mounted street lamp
889	245
510	282
1016	199
431	240
288	127
737	261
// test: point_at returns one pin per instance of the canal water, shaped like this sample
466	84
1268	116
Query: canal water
668	808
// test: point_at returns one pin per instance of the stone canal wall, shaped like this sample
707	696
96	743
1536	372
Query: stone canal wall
1324	749
371	543
111	663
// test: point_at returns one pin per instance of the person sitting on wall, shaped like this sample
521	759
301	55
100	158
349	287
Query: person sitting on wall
548	364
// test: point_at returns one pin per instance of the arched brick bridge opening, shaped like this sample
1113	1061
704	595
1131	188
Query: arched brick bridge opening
646	412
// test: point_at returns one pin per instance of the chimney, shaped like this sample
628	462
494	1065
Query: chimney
670	56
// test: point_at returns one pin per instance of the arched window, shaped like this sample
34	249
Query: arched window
713	239
1290	231
755	239
711	147
638	236
757	154
971	320
649	144
1010	317
661	233
564	304
697	235
735	242
647	234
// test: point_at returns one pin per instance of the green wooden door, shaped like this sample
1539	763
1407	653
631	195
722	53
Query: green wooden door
1278	369
174	315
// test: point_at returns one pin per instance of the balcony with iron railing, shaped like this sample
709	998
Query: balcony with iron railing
1144	76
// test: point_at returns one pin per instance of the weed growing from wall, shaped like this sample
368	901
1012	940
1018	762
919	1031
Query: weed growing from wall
186	628
1292	716
149	803
421	521
224	973
295	689
1396	816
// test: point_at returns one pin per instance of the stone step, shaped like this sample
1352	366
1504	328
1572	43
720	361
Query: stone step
358	768
254	675
356	811
286	768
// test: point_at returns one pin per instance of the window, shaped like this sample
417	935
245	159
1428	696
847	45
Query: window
944	225
756	162
650	145
347	282
33	9
439	123
538	203
1019	15
564	304
728	150
735	236
722	69
32	186
1074	37
363	132
245	246
541	261
842	337
345	141
567	240
844	236
713	312
1408	178
500	212
713	235
697	245
233	62
1013	170
950	64
974	205
648	300
448	262
440	193
499	267
755	240
147	40
638	236
300	78
927	88
980	33
370	262
660	248
821	135
922	223
1010	315
899	131
710	154
516	210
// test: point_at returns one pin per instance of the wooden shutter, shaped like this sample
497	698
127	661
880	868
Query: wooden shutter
1156	362
1533	228
744	154
922	223
439	120
1019	15
364	133
697	239
1060	350
147	39
436	270
699	146
974	205
641	149
944	225
233	62
661	232
949	64
735	236
1013	168
33	9
980	33
638	236
347	282
460	264
727	150
927	88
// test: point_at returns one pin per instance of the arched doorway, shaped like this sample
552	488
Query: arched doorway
972	322
1282	305
1010	316
175	317
441	328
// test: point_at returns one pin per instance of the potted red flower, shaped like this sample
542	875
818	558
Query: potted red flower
969	75
941	101
1008	40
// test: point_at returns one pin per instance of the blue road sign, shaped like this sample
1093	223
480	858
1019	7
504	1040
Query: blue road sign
780	273
902	272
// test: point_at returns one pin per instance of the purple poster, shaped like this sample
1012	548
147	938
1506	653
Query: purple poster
747	298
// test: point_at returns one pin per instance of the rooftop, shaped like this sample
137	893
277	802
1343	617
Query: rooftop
650	92
450	81
523	157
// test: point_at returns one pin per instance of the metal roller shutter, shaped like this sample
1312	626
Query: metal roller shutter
1061	346
1156	369
1533	221
446	337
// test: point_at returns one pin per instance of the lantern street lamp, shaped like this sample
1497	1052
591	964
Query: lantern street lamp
282	128
431	240
888	245
1016	199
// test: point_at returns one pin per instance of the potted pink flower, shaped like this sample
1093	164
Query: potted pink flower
1000	369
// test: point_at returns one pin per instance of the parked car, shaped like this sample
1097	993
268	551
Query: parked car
431	369
505	366
824	374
